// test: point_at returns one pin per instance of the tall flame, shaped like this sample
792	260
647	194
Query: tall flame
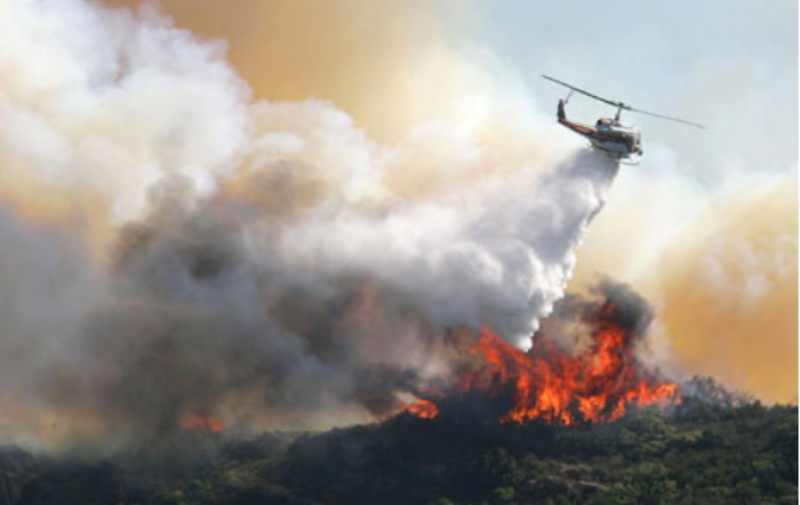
549	384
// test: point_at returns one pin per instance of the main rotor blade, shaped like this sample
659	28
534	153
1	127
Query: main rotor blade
640	111
622	105
591	95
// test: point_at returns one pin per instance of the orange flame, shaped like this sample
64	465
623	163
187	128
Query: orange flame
202	423
550	385
424	409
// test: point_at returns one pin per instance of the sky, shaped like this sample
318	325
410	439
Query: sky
705	226
732	68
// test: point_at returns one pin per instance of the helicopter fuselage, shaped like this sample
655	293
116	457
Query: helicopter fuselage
607	135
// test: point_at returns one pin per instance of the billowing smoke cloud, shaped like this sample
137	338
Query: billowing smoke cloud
97	104
502	260
174	251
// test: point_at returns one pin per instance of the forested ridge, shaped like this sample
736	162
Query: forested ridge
713	448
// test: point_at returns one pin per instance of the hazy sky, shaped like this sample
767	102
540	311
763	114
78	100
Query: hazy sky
731	66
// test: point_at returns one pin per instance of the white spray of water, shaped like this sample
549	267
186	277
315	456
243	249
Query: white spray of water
501	261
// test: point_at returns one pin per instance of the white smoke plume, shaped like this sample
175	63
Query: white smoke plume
172	249
101	103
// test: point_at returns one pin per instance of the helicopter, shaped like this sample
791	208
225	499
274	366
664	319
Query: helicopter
621	143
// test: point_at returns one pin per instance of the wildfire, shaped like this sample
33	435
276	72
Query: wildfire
549	384
424	409
202	423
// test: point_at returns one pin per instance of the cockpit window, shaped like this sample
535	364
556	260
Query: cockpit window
604	123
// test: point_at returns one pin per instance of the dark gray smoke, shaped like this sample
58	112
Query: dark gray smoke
176	256
574	317
196	322
201	313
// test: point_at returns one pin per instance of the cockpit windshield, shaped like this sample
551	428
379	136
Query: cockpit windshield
604	123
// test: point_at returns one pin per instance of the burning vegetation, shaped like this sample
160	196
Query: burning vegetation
583	367
203	424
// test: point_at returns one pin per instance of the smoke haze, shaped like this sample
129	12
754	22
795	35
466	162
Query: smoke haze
474	66
173	249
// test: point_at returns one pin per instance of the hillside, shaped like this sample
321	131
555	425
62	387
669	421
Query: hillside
709	451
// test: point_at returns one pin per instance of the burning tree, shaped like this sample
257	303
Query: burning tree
584	366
